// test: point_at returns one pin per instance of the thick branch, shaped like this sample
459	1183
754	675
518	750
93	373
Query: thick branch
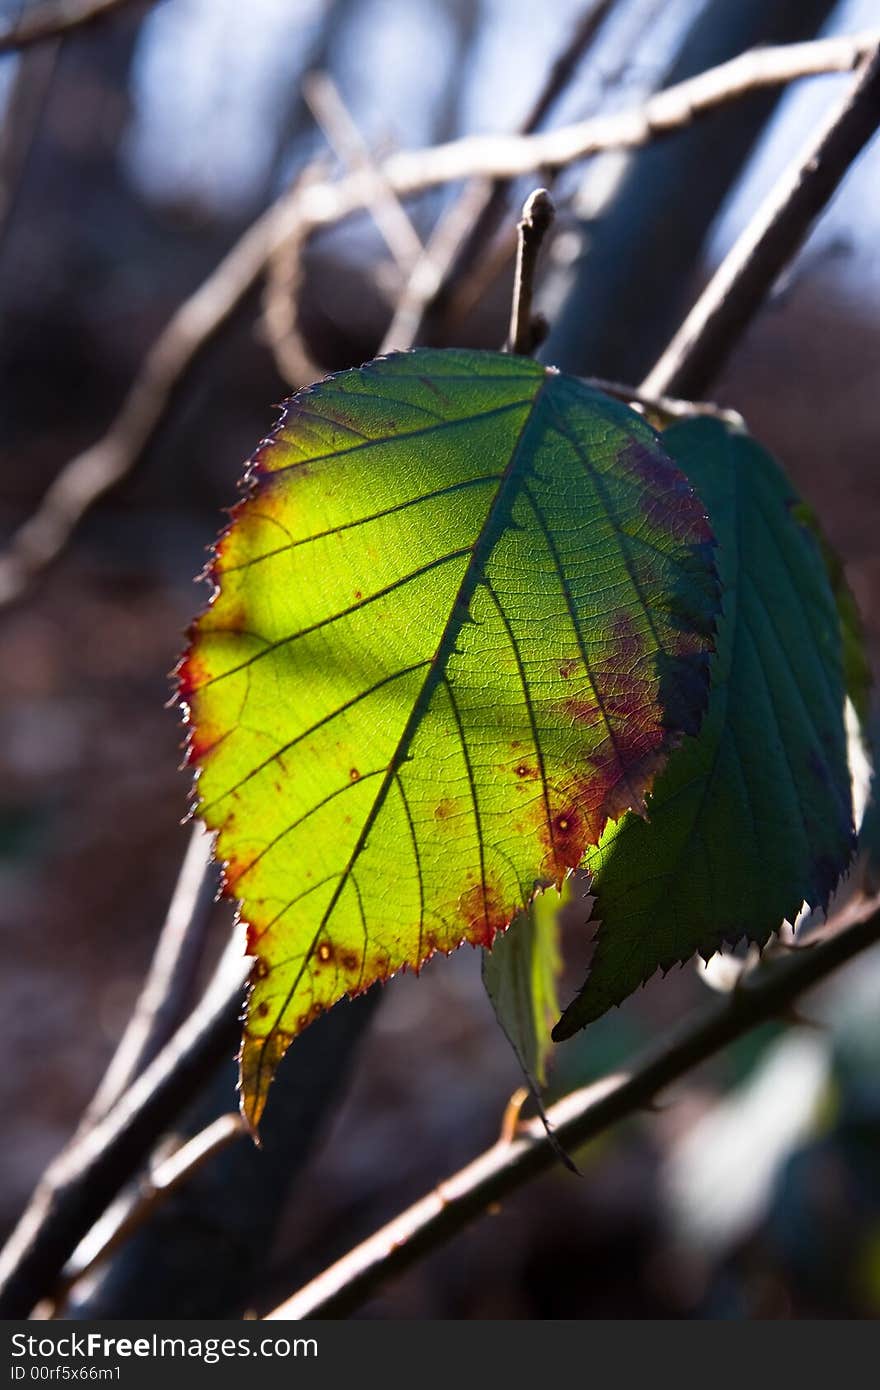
166	1177
77	1186
768	244
55	19
85	479
580	1117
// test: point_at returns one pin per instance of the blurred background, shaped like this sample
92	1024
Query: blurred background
133	154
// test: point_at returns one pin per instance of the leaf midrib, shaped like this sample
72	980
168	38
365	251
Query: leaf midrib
481	549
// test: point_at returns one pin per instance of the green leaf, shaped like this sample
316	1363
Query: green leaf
458	621
521	973
856	667
752	817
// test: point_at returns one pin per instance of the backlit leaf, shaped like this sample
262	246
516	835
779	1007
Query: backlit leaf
521	973
753	816
458	621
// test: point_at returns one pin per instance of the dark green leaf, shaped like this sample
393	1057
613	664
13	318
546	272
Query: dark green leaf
752	817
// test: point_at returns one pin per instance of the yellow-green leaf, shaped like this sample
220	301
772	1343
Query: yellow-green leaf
458	621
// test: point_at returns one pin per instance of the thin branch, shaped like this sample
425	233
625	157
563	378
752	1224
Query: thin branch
486	207
54	19
770	241
118	1224
668	407
162	1001
432	268
537	218
285	275
332	115
95	1166
673	109
87	477
578	1118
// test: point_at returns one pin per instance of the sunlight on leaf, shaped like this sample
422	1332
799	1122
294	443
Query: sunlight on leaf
521	974
459	620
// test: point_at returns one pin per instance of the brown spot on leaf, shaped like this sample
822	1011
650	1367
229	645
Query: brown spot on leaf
484	913
568	668
354	774
526	772
324	952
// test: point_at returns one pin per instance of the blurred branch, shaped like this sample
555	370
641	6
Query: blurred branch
285	275
78	1185
670	110
285	268
431	269
54	19
197	322
578	1118
165	1177
769	242
90	474
649	197
162	1002
486	205
344	137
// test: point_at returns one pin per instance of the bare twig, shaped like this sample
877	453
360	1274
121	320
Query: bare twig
94	1167
674	109
165	1177
575	1120
768	244
90	474
344	137
54	19
526	332
431	269
86	478
163	999
668	407
285	268
284	282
